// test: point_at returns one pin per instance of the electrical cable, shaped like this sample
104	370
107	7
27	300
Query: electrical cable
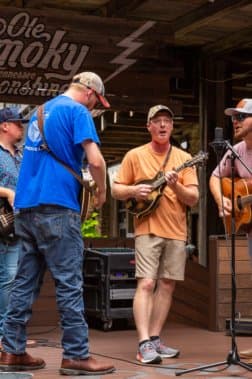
57	345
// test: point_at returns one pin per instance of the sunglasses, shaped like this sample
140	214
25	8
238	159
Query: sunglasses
240	116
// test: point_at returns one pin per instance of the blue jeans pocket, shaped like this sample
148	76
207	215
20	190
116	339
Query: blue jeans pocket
50	228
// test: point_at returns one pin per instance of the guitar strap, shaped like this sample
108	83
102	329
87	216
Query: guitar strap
162	168
45	147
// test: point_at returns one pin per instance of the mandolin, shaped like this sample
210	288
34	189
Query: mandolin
142	208
6	218
242	201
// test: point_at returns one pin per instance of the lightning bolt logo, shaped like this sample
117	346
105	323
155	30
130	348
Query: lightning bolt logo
131	45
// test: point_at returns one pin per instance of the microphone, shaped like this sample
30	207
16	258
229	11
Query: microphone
218	135
218	144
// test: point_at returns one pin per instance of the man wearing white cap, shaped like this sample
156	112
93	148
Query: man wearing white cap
160	235
48	224
241	117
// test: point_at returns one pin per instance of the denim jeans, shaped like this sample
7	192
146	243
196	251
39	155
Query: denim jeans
50	238
8	266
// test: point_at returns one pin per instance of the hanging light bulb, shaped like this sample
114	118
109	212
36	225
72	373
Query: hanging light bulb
102	123
131	113
115	117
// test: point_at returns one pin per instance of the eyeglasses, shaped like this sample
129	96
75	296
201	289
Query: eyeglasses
159	121
240	116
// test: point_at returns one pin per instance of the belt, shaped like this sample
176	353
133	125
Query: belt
9	240
39	208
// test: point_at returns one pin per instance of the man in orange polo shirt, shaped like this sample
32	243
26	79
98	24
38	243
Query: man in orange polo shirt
160	236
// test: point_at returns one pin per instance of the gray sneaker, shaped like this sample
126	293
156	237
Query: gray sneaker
147	353
164	351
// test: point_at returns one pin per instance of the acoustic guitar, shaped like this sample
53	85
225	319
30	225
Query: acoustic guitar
6	218
142	208
242	201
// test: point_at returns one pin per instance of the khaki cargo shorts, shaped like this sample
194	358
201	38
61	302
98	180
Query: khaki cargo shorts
158	257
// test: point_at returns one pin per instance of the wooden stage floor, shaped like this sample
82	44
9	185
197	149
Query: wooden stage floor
198	347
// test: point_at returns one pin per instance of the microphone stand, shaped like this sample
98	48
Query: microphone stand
233	356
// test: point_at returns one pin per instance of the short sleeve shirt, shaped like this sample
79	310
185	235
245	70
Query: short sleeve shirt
42	179
9	167
169	219
223	169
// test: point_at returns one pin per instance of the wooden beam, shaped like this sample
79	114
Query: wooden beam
18	3
231	42
119	8
204	15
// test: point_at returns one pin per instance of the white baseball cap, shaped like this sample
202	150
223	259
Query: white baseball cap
244	106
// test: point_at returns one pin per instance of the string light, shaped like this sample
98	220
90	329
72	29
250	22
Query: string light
115	117
102	123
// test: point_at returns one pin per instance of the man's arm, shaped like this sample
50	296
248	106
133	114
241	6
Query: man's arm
123	192
224	203
189	195
97	167
8	193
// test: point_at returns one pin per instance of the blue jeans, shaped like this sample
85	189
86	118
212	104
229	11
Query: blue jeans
50	238
8	267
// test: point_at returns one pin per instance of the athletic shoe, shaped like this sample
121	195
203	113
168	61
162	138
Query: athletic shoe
164	351
147	353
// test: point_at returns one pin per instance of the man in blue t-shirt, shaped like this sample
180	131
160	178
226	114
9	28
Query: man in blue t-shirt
48	223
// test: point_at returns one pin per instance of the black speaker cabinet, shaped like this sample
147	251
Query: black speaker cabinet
109	284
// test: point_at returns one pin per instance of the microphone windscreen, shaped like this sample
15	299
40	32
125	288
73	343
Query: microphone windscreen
218	134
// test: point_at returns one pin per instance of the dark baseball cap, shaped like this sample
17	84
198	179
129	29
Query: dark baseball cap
12	115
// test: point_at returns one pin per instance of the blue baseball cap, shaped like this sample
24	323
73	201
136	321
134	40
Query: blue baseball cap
11	114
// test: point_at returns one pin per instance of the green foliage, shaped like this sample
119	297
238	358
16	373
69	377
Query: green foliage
91	226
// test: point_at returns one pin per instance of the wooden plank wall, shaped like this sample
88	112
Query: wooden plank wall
220	253
191	297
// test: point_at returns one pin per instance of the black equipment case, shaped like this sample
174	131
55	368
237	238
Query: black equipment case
109	284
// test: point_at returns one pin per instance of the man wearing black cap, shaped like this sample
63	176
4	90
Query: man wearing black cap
241	117
11	133
161	234
48	222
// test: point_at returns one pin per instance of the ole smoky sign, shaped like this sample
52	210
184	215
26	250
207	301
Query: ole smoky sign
39	55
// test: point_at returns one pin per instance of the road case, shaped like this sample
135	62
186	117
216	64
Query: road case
109	284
